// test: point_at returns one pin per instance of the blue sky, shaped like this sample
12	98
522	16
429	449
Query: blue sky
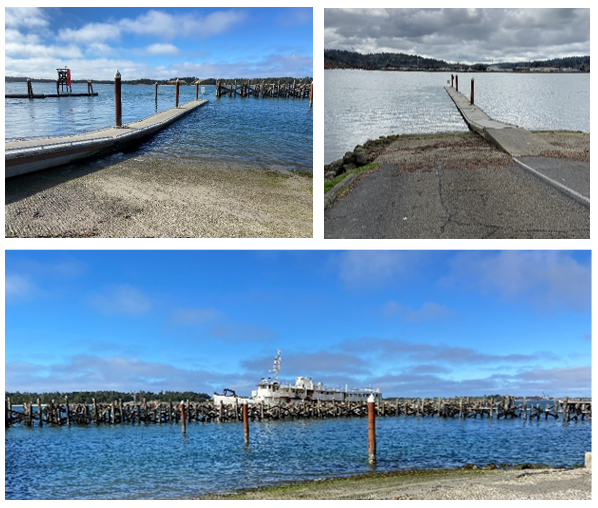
159	43
413	323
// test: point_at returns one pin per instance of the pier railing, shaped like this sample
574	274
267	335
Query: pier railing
57	413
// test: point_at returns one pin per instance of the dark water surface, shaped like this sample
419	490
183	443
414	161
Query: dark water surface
257	132
158	462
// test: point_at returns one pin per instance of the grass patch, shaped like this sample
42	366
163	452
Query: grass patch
331	183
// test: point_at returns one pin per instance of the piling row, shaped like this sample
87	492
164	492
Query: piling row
290	90
56	413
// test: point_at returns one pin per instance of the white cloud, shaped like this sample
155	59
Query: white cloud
162	49
17	287
121	299
168	26
29	17
90	33
544	278
33	51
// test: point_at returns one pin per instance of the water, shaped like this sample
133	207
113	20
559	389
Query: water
158	462
256	132
362	105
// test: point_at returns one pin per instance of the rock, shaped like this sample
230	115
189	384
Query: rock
329	175
348	167
349	158
361	158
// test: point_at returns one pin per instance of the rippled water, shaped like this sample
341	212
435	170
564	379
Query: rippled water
362	105
157	461
250	131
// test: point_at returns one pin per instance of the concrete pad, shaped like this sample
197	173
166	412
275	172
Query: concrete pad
514	140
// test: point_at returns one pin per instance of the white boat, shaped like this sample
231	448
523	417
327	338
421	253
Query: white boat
271	392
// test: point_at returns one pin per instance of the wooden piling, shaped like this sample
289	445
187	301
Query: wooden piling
457	82
156	92
471	94
371	430
183	419
117	100
68	411
245	424
176	95
311	94
197	90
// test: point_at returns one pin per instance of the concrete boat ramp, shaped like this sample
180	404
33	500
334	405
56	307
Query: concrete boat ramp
527	149
27	155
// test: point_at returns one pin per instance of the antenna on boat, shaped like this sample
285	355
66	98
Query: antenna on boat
276	367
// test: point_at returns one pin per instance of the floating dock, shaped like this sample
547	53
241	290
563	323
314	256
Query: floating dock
46	95
33	154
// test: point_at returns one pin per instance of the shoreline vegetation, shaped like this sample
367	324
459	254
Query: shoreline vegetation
184	81
522	481
342	59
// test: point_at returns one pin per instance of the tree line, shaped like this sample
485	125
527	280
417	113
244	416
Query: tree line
108	396
339	59
182	80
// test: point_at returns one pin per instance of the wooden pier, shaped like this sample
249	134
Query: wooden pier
57	413
290	90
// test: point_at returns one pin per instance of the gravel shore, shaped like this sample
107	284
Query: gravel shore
459	484
136	195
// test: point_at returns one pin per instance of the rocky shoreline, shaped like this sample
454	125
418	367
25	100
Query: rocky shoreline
360	156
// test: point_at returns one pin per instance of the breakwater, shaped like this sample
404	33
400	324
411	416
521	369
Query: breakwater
288	90
58	413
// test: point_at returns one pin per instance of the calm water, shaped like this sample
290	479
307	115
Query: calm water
252	131
157	461
362	105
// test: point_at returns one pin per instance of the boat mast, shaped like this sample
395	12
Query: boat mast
276	367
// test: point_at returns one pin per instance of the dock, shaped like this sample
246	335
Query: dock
33	154
47	95
514	140
57	413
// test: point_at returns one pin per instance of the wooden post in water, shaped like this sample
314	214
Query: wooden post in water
117	100
183	420
245	423
176	95
371	430
156	93
452	80
457	82
57	88
471	95
29	89
68	412
39	411
196	90
311	94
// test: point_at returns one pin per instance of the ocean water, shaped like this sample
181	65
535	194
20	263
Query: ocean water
362	105
159	462
257	132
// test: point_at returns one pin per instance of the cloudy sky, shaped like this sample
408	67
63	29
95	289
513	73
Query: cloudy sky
159	43
461	35
412	323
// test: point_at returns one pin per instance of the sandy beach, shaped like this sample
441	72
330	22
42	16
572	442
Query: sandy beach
457	484
134	195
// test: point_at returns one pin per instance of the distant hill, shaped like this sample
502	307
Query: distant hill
342	59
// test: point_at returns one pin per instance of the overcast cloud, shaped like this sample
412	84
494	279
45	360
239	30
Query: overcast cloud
461	35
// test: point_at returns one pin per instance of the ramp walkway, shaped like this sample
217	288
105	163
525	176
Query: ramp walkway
525	148
33	154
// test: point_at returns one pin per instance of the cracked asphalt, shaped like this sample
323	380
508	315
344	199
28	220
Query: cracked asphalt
456	186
